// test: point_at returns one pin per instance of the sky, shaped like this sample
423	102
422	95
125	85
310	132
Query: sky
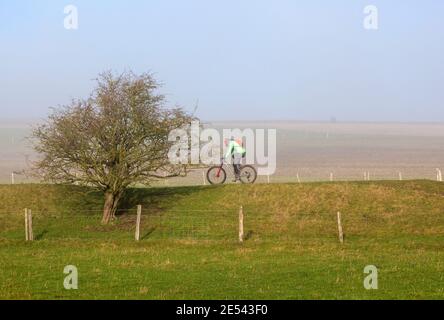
309	60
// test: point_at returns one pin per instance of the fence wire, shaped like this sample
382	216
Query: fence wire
203	224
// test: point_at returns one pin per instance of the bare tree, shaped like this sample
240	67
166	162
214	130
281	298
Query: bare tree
116	138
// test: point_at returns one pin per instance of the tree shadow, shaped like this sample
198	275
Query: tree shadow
153	199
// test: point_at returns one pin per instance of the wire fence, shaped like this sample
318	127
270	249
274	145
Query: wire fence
285	175
219	225
176	224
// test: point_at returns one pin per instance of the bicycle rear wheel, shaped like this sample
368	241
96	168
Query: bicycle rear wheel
248	174
216	175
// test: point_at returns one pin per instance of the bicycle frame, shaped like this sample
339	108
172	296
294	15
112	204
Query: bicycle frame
219	171
220	168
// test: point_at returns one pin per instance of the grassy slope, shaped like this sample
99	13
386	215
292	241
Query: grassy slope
189	247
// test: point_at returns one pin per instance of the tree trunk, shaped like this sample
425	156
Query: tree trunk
110	207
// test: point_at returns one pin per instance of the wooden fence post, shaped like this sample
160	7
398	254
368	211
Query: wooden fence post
139	215
438	175
26	225
241	224
12	178
31	234
341	234
400	176
204	178
297	177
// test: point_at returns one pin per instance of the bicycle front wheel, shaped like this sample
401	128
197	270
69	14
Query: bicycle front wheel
216	175
248	174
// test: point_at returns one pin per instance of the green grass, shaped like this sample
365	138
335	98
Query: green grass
189	247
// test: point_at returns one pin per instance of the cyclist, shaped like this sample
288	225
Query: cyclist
236	151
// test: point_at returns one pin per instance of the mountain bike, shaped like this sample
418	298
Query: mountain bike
218	174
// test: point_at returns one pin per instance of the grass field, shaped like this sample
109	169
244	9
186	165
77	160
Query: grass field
189	247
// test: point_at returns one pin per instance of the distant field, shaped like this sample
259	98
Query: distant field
310	150
189	247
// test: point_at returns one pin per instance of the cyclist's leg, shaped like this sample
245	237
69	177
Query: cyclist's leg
237	158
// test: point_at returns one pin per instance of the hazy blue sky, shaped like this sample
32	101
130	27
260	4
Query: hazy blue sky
306	60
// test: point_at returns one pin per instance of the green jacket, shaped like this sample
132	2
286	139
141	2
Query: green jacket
234	147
